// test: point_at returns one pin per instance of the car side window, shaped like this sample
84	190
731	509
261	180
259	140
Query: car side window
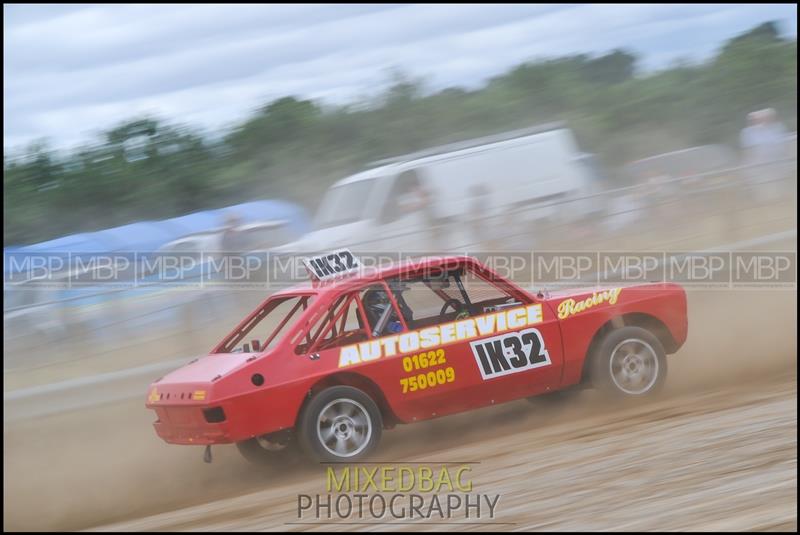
341	324
419	301
428	300
480	291
271	322
381	314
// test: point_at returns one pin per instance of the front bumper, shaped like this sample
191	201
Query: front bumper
190	425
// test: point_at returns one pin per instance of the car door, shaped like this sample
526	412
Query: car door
429	359
516	350
522	360
419	379
432	374
477	345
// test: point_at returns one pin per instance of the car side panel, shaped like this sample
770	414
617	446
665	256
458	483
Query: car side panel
665	302
396	375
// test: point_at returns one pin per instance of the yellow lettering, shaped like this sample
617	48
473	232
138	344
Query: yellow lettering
516	318
429	337
448	332
406	484
340	486
534	314
389	345
349	356
425	479
386	478
485	324
370	350
466	329
444	480
568	307
409	342
614	295
460	485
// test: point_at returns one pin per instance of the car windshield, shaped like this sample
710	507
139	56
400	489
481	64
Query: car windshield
268	325
343	204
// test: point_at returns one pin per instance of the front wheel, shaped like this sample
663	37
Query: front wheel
630	362
340	423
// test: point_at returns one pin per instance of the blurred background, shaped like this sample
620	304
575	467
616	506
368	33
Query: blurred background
110	121
189	129
658	116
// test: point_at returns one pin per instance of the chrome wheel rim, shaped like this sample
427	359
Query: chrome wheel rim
634	366
344	428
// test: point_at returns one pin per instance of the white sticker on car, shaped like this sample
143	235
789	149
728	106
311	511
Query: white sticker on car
510	353
335	264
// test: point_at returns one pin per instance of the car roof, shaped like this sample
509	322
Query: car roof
375	274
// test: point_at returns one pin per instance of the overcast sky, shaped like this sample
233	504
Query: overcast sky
71	71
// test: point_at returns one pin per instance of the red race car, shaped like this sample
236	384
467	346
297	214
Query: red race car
357	351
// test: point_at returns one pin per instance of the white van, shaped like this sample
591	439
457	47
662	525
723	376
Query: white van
451	197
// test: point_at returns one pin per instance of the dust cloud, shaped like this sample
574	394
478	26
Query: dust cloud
102	465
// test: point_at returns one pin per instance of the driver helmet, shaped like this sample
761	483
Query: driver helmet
376	302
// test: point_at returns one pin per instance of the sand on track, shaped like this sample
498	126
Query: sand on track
723	460
717	451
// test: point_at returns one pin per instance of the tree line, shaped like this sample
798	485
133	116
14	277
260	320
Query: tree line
294	148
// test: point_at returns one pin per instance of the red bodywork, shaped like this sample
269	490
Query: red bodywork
187	401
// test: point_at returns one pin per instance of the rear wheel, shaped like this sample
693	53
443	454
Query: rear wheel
340	423
630	362
272	449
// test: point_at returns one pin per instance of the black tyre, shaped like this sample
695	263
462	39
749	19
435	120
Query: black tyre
340	423
268	450
630	362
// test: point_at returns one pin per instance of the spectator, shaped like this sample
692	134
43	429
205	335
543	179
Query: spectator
477	215
764	145
232	239
412	196
232	246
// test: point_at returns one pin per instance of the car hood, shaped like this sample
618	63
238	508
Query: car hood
557	295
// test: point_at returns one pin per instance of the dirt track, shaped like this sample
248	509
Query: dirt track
726	460
717	451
